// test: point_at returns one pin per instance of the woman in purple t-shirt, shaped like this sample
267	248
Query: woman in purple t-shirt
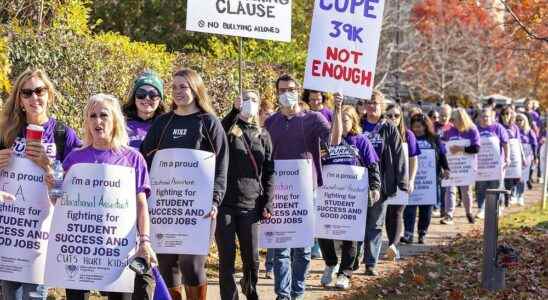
507	119
145	103
394	213
317	101
106	142
463	129
529	142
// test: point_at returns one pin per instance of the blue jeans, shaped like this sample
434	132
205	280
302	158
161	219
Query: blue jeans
12	290
376	215
410	215
520	189
482	187
269	262
290	270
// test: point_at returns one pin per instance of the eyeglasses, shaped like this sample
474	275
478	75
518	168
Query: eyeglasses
393	116
39	91
142	94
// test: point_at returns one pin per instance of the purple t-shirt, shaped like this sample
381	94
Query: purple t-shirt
412	146
423	143
529	138
513	131
126	157
535	117
299	137
355	150
137	131
327	113
48	140
495	130
453	134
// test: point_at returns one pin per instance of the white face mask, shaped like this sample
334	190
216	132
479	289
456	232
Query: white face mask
249	109
288	99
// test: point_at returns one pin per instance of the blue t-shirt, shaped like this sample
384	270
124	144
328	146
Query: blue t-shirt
372	131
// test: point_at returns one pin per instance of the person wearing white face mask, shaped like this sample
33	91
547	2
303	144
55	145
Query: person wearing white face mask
297	135
248	197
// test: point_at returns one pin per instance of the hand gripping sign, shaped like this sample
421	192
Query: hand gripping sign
25	223
182	195
93	235
292	222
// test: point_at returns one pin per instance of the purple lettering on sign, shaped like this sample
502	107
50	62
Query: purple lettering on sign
352	6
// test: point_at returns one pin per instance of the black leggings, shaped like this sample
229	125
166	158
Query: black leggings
394	223
348	255
187	269
143	290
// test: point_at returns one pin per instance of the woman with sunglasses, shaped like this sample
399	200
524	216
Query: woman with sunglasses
144	104
387	143
427	139
394	213
463	129
32	95
507	119
192	124
250	190
529	143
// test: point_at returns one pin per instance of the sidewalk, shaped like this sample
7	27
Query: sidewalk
438	235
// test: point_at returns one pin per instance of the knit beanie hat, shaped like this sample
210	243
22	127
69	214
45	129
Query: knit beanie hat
149	78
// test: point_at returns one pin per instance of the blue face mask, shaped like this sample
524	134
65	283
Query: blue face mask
288	99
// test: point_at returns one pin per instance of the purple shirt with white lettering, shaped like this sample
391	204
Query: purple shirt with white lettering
355	150
137	131
372	132
126	157
412	146
48	141
495	130
453	134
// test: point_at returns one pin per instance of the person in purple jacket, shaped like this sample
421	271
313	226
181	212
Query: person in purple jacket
507	119
32	94
145	103
296	134
529	142
355	150
463	129
106	142
317	101
488	127
394	213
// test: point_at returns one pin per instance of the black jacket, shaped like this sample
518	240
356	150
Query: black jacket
244	189
200	131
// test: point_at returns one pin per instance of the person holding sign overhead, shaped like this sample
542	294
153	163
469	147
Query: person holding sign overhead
389	148
394	213
466	132
192	124
529	143
296	136
427	140
145	103
250	188
491	134
106	143
355	150
27	106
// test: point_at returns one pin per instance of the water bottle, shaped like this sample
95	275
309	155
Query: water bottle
56	191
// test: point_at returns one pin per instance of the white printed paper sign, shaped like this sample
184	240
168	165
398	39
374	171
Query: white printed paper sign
182	194
343	47
292	222
401	197
425	192
269	20
25	223
462	166
341	207
93	234
489	159
516	164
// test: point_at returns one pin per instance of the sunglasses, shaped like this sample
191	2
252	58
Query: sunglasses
39	91
393	116
142	94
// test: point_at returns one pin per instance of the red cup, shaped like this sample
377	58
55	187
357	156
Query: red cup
34	133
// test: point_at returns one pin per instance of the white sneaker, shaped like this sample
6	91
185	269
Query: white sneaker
521	201
501	210
327	276
343	282
436	213
392	253
481	214
513	200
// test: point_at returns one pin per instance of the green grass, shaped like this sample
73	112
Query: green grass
532	217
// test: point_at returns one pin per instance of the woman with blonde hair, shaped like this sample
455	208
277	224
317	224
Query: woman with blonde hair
530	146
192	124
355	150
463	129
28	104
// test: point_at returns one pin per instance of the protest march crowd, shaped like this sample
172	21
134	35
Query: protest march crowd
149	186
